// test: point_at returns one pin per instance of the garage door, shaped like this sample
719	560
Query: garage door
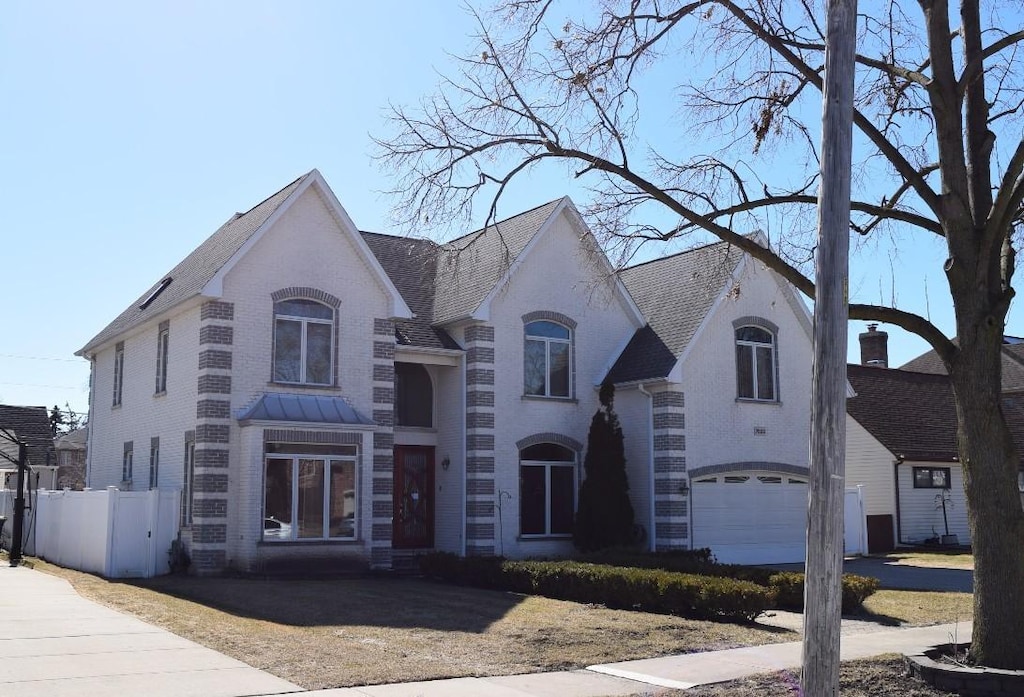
751	517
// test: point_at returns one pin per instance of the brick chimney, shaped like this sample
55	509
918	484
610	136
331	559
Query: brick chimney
874	347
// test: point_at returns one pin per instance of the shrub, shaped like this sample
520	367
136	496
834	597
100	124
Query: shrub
789	589
651	590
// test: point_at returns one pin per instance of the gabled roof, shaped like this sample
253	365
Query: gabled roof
194	271
30	425
470	267
912	414
203	269
1013	364
412	266
675	294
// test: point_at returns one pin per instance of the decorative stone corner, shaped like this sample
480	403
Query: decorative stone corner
965	680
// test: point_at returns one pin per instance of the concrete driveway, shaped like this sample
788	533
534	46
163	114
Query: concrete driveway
904	576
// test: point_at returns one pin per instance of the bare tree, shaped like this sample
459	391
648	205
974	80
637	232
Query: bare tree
938	156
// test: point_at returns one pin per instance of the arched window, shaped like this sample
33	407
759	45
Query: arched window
303	342
755	364
547	359
547	489
414	396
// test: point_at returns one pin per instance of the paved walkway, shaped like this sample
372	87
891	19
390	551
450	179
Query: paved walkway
54	643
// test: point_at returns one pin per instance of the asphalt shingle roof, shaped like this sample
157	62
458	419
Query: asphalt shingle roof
912	414
32	426
469	267
1013	365
674	294
411	264
190	276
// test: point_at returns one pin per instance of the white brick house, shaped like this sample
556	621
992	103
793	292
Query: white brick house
330	397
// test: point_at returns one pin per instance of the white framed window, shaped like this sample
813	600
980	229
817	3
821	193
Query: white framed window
309	492
163	338
118	373
547	490
755	364
154	462
126	461
547	359
303	342
931	477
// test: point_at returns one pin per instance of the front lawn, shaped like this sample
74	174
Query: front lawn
933	559
335	633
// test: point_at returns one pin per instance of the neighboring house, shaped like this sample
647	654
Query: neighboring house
330	397
901	447
30	425
71	455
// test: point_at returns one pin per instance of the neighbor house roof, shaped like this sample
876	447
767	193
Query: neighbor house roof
30	425
191	275
675	294
1012	364
912	414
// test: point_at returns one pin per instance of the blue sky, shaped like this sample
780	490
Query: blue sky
130	131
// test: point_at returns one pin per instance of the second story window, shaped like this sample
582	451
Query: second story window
303	342
547	359
163	338
118	373
414	396
755	364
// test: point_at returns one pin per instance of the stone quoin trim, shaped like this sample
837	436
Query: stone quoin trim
212	438
381	458
214	309
480	429
671	505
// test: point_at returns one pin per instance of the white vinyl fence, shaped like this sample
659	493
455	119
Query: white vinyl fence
117	534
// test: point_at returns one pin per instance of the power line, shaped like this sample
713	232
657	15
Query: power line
41	358
29	384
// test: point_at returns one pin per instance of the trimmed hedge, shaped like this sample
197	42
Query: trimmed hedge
789	588
788	585
723	585
651	590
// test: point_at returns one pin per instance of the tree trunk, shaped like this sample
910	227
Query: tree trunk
993	503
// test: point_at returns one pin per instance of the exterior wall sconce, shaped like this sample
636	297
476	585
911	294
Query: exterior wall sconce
446	463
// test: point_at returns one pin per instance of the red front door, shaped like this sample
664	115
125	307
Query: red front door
413	497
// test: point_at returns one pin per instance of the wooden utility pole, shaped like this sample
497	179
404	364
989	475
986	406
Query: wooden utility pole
823	589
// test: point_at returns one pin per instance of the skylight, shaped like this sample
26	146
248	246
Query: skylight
156	293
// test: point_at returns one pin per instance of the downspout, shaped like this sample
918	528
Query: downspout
650	461
462	439
896	480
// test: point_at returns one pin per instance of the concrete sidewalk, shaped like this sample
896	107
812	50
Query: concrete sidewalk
53	643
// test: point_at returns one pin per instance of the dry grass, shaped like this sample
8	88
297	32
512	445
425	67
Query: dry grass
933	559
919	607
335	633
883	676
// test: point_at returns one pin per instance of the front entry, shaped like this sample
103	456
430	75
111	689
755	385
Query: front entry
413	497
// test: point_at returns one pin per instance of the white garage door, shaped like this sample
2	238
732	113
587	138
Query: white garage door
751	517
